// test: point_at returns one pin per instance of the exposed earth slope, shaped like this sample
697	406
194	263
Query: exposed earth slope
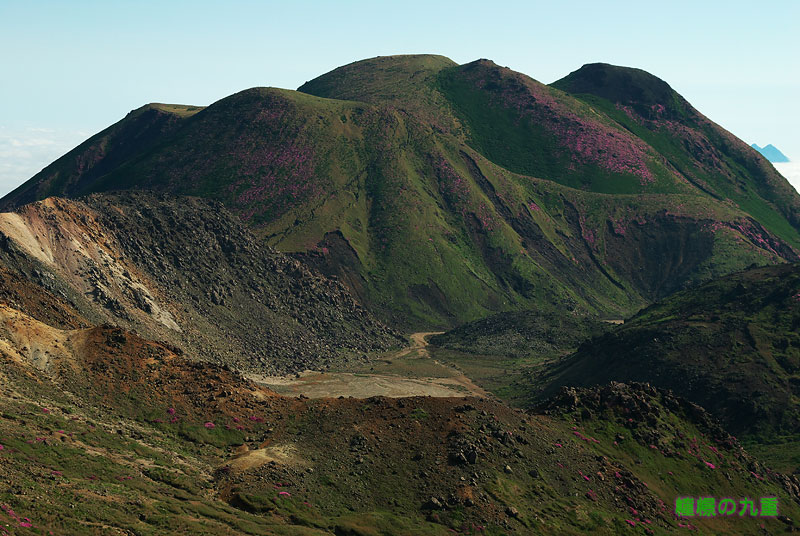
183	271
439	192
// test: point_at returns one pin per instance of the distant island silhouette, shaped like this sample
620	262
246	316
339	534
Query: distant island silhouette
771	153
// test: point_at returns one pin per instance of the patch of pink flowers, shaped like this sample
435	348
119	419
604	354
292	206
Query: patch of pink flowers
584	438
589	140
22	522
209	425
274	176
456	191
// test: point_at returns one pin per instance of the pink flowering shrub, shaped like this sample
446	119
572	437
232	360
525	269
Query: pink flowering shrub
585	438
456	191
586	139
619	227
265	164
628	110
22	522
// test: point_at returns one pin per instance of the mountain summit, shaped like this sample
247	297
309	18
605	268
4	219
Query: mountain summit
440	193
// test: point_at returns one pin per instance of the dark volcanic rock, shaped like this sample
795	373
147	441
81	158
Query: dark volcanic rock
245	304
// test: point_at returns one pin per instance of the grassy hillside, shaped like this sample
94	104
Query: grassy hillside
521	334
442	193
77	171
702	152
730	345
123	435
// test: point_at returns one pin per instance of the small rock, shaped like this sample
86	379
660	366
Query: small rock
433	504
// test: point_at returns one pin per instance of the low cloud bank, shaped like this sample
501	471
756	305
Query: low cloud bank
790	170
27	150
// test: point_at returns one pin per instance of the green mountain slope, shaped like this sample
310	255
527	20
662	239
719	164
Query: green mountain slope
731	345
101	154
699	150
440	193
527	334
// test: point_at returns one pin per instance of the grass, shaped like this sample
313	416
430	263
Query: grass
375	464
502	376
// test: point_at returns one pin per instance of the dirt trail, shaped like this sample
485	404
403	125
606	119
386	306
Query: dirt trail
407	372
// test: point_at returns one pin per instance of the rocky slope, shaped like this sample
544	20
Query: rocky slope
110	433
439	193
183	271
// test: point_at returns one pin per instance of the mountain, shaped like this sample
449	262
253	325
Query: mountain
439	193
771	153
193	256
730	345
184	272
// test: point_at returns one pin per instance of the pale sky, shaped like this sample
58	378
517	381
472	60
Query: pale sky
70	68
